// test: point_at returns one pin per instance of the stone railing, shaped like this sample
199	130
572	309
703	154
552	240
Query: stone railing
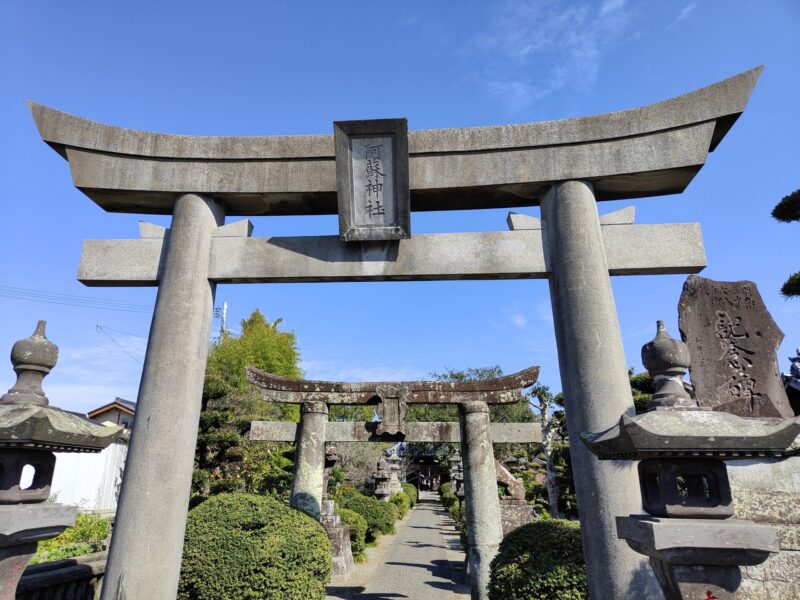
76	578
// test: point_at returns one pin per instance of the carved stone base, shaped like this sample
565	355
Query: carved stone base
692	582
515	513
339	535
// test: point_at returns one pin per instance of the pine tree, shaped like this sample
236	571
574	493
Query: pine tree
786	211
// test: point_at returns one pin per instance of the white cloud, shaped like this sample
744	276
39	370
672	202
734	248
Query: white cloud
684	14
541	46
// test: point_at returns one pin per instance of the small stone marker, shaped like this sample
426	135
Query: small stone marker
733	344
372	179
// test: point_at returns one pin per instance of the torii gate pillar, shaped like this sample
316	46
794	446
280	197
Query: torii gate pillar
151	517
309	463
594	378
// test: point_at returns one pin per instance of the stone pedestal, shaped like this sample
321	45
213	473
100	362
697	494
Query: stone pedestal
514	513
339	535
21	527
767	491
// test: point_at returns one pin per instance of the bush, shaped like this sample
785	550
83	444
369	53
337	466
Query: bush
358	531
446	488
410	491
86	536
244	546
456	512
403	504
449	499
540	560
380	516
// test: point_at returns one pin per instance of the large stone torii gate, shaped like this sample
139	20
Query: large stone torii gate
474	432
563	166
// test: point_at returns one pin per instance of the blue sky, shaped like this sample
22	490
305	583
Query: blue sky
260	68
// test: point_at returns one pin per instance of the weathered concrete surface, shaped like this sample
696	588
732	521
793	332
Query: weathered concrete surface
484	521
655	149
416	564
630	250
594	377
733	342
145	554
309	464
445	432
768	492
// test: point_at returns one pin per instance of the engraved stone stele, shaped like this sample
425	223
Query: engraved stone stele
514	509
372	179
733	344
695	546
30	431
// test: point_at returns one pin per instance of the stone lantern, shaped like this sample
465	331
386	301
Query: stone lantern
382	475
457	475
30	432
394	486
695	544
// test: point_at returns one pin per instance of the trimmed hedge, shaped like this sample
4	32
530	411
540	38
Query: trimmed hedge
540	560
449	499
403	504
245	546
380	516
446	488
410	491
358	531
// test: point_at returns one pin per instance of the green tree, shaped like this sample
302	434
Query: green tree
786	211
225	459
643	386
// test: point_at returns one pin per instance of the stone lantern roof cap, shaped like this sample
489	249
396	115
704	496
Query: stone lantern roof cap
695	433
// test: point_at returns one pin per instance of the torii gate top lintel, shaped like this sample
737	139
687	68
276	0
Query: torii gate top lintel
646	151
501	390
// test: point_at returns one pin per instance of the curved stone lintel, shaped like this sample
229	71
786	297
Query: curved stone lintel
501	390
650	150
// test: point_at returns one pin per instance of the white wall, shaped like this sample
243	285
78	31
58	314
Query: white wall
90	481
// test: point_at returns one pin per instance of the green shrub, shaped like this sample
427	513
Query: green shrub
446	488
540	560
244	546
380	516
456	512
358	531
86	536
449	499
410	491
403	504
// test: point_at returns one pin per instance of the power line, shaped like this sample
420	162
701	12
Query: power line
72	300
101	329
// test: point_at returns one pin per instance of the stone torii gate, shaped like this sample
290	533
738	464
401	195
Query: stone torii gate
474	432
563	166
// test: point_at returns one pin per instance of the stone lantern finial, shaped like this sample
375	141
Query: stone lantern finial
667	360
32	358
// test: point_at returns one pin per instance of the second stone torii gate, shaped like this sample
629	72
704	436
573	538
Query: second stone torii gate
474	432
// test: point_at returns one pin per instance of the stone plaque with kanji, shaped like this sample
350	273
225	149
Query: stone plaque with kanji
372	179
733	343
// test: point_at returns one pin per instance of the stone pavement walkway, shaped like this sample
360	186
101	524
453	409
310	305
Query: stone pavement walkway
419	562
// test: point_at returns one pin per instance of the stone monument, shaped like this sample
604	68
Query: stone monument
514	508
338	534
734	338
791	382
733	343
30	432
695	544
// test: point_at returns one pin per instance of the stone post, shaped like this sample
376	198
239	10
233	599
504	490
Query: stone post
309	462
146	547
594	378
484	523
